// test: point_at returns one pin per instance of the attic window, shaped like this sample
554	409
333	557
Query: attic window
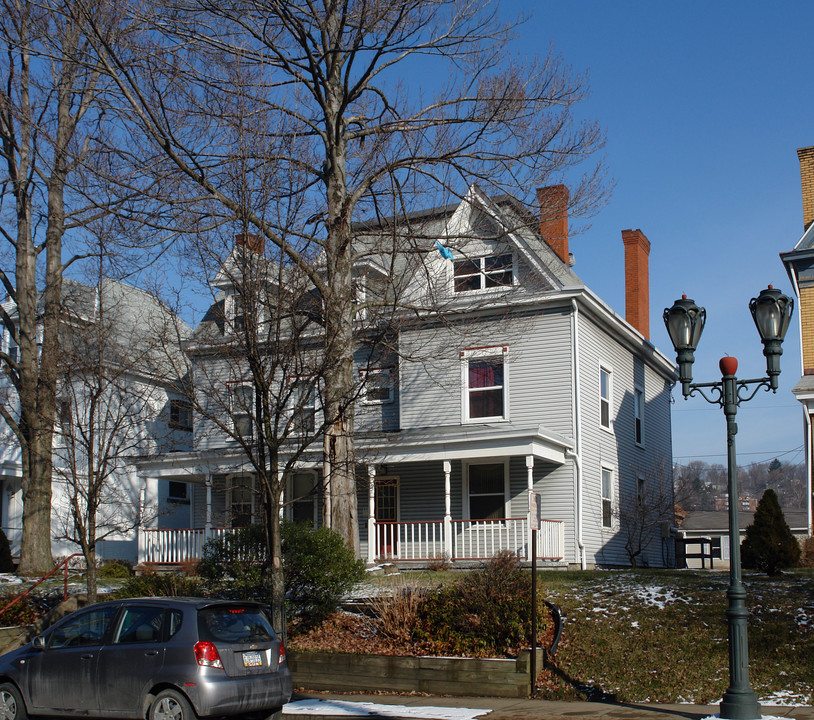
483	273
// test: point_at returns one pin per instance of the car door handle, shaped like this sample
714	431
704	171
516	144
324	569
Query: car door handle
151	652
89	656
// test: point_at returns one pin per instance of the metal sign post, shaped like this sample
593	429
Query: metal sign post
534	526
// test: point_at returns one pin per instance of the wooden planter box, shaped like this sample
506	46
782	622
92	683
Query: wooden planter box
496	677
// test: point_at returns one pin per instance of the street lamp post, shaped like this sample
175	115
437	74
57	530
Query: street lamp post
771	311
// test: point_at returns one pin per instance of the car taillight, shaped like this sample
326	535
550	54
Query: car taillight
207	654
281	656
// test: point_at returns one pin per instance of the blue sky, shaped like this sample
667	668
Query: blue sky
704	105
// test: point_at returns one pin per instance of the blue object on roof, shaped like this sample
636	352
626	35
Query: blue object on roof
445	251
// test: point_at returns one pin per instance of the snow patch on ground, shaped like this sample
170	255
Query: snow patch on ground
656	596
344	708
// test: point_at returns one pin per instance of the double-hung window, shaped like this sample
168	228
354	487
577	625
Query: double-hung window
607	498
378	386
487	491
485	380
605	397
241	407
638	415
303	405
241	500
180	414
303	489
483	273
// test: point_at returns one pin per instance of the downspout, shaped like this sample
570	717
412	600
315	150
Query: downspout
576	454
806	416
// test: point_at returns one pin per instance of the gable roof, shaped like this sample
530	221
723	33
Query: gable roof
501	219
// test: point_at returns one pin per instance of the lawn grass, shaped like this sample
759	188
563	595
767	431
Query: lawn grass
661	636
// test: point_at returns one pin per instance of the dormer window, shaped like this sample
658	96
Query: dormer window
483	273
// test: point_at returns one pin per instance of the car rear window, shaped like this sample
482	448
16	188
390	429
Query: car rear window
234	624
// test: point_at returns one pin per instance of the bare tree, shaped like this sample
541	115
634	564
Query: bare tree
48	96
257	369
645	513
321	90
113	405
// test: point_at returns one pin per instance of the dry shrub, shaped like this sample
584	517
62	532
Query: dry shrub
189	567
440	562
398	608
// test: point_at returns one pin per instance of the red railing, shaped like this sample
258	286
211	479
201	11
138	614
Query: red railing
62	563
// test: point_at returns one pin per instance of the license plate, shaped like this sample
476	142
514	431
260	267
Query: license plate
252	659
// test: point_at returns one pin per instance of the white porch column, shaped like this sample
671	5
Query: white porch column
281	481
530	482
371	514
447	510
140	536
208	519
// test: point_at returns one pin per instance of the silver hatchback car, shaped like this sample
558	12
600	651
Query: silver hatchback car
160	658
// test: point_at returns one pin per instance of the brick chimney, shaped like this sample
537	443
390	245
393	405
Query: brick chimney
806	157
637	280
553	202
255	243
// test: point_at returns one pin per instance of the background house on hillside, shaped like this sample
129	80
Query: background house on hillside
500	377
116	401
707	533
800	267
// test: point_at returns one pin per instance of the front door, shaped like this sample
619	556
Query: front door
387	502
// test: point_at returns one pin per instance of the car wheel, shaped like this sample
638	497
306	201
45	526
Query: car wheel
275	714
12	706
169	705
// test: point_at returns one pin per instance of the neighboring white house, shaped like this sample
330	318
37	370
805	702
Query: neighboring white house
516	381
115	402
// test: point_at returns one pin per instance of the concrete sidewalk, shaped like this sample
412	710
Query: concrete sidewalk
410	707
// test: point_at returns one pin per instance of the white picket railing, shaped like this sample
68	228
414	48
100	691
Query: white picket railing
175	546
394	541
469	539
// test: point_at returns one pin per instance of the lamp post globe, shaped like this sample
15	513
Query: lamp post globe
685	323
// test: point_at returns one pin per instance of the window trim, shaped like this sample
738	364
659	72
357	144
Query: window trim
606	499
467	511
390	385
638	415
606	401
480	353
482	273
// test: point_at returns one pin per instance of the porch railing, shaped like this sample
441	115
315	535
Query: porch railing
175	546
468	539
393	541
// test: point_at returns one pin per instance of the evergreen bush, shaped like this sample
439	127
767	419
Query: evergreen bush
319	569
6	561
317	565
769	545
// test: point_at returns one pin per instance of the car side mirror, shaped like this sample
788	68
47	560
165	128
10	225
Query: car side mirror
38	643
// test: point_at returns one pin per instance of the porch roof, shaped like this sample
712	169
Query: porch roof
465	442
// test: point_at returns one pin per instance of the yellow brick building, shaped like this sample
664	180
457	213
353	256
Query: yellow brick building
800	266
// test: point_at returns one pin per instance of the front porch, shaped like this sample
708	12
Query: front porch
414	543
